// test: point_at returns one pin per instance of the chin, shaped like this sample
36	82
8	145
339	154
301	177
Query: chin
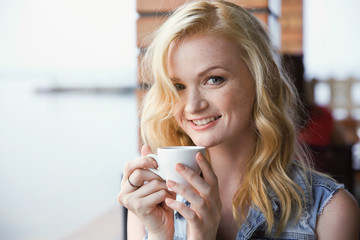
205	143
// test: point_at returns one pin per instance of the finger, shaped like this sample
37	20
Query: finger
139	176
194	179
211	188
145	150
155	198
151	188
208	197
188	213
198	202
207	170
147	197
138	163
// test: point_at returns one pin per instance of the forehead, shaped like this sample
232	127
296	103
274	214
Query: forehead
202	51
204	42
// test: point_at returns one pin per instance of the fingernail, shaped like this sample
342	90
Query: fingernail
180	167
170	183
169	201
154	163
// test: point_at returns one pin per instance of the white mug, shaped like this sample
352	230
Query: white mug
168	157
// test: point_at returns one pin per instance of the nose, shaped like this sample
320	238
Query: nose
195	102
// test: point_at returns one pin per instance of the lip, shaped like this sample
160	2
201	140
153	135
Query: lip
205	126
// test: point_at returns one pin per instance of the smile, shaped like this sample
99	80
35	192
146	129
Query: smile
205	121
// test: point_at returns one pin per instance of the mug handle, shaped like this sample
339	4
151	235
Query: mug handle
157	172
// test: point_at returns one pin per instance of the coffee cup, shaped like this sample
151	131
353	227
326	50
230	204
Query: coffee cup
168	157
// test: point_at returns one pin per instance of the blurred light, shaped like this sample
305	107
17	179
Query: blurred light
355	93
68	35
331	42
355	114
322	94
340	113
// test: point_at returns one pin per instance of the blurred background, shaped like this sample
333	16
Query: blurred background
68	116
68	108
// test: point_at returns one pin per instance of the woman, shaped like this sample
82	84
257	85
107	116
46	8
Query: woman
215	83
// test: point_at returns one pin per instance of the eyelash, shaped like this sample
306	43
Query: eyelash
180	86
217	78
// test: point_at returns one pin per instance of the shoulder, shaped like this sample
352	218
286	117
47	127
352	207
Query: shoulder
318	187
340	218
335	211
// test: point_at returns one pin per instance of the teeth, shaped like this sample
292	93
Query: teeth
204	121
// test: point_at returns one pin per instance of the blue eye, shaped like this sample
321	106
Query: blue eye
179	86
215	80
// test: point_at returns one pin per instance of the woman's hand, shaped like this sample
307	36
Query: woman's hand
203	217
143	193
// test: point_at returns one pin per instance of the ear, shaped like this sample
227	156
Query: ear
145	150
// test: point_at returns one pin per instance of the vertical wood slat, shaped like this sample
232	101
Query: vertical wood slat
248	4
291	22
152	14
154	6
146	25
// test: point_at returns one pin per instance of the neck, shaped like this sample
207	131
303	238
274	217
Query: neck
229	160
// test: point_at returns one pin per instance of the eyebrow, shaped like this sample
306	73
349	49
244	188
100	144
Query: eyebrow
204	72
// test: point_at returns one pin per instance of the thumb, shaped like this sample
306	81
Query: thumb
145	150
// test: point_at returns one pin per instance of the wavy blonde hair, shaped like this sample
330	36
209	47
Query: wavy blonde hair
274	111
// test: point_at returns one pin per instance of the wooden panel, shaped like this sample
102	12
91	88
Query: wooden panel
154	6
272	6
291	36
291	42
295	48
292	18
251	4
262	16
291	22
291	6
144	27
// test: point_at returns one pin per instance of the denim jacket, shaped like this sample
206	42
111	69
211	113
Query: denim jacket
317	195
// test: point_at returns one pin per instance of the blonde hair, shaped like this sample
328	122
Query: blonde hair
273	112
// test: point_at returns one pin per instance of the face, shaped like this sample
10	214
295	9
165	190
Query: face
216	90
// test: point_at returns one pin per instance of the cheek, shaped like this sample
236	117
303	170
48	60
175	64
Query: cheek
231	102
238	106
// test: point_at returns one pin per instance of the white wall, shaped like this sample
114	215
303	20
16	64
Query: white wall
332	38
60	37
